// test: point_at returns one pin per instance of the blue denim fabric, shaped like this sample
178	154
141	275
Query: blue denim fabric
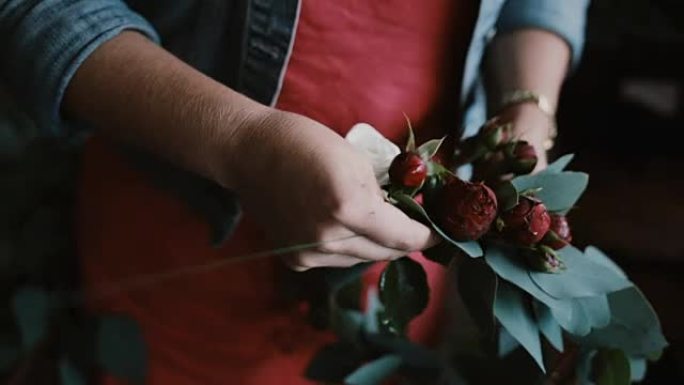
244	44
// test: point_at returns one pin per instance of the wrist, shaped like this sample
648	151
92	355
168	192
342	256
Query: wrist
525	102
231	150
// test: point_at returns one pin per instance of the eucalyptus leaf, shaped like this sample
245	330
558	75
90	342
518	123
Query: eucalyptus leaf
596	310
514	314
472	248
347	324
612	368
558	191
508	265
506	343
637	368
121	349
334	362
413	355
574	319
548	325
595	254
373	309
584	362
559	164
69	374
374	372
404	291
634	326
583	277
31	307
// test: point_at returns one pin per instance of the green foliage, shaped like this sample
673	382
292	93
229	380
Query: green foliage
121	348
374	372
558	191
513	311
611	367
404	293
32	310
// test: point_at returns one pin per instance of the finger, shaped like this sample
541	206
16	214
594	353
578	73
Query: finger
388	226
309	260
363	248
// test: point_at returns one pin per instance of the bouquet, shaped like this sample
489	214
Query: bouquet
526	288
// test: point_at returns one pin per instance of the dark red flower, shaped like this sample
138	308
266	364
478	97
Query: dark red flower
465	210
527	222
408	169
494	133
523	157
559	234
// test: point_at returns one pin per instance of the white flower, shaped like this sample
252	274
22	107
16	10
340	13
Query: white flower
378	149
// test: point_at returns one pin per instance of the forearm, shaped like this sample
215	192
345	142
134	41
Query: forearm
134	91
528	59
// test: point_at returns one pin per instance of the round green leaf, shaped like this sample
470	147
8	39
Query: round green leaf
558	191
559	165
548	325
69	374
582	277
121	348
404	292
506	264
611	367
374	372
637	368
634	326
32	310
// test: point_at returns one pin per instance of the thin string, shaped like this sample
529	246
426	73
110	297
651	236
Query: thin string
151	279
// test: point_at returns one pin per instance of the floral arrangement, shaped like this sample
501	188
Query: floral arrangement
526	288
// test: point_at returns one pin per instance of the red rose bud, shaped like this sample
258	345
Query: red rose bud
494	133
545	260
408	169
527	222
465	210
559	234
523	157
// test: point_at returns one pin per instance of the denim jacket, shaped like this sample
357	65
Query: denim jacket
244	44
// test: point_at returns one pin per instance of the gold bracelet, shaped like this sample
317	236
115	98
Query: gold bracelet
514	97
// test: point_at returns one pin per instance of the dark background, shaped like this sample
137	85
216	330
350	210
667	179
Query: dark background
622	112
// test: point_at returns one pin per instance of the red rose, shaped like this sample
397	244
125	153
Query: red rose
494	133
559	234
408	169
465	210
527	222
523	157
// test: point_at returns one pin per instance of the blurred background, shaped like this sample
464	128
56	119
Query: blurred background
621	113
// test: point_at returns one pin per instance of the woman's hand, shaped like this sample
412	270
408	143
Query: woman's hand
532	125
303	183
300	180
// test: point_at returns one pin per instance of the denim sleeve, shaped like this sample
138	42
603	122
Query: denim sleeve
43	43
566	18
